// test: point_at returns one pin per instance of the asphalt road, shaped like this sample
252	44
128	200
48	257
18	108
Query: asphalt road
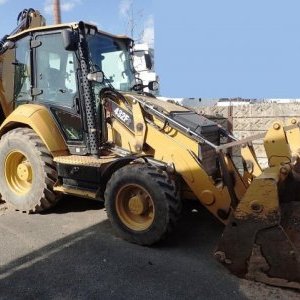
71	252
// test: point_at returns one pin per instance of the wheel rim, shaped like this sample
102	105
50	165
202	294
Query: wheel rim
18	172
135	207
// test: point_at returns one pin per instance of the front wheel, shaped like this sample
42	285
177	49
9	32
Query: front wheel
142	203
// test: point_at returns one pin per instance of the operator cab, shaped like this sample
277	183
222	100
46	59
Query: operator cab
49	70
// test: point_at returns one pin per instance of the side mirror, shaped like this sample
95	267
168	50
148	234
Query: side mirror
96	76
148	61
70	39
138	87
153	85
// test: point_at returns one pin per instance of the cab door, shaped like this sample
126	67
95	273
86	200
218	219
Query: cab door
56	86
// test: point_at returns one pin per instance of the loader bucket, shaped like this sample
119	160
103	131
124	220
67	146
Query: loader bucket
261	242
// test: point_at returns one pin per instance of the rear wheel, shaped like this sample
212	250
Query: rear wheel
142	203
28	171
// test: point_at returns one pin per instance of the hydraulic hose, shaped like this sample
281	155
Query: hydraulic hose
23	22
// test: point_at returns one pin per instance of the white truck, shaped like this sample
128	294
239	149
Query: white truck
143	61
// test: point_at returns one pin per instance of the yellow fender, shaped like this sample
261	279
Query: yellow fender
39	119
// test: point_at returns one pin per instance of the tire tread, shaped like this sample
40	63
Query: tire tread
48	197
167	187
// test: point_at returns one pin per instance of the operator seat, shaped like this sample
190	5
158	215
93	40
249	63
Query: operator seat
54	79
56	87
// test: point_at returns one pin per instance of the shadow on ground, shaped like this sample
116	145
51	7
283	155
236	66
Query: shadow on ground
93	263
69	204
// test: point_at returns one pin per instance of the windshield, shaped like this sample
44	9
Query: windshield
112	56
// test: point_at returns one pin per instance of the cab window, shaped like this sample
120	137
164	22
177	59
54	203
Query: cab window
22	86
55	71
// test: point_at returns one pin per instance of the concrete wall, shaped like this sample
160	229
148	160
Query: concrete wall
246	120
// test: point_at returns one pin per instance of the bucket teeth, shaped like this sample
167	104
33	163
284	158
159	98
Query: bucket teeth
268	253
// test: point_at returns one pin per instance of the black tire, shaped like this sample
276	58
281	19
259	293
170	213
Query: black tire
38	194
164	196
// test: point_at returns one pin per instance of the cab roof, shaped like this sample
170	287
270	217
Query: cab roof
73	25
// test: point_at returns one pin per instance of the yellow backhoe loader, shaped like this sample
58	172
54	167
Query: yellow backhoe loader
76	121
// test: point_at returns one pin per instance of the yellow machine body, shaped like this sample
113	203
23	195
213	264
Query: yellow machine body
260	207
262	237
38	118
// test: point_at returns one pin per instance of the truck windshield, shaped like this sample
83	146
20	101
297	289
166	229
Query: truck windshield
112	56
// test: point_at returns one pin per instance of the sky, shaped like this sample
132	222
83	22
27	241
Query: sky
207	49
218	48
112	15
